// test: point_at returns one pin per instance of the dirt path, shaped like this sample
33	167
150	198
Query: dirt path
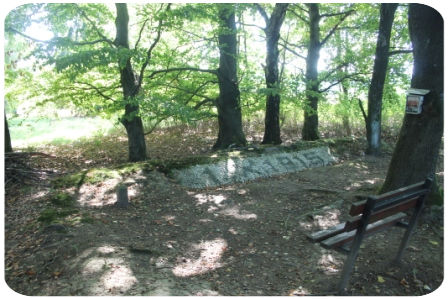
244	239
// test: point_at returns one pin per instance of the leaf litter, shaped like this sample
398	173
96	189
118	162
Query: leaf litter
244	239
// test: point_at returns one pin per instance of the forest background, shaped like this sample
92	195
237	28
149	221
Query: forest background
247	75
145	66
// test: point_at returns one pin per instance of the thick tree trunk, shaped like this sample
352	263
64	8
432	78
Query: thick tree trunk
131	119
272	118
228	103
417	150
5	139
375	97
311	123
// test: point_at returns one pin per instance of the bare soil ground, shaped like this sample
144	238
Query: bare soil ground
244	239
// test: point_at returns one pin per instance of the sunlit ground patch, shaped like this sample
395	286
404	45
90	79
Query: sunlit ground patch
209	259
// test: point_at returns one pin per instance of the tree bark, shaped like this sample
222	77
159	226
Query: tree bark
417	151
131	119
272	31
345	116
5	139
375	96
311	122
230	122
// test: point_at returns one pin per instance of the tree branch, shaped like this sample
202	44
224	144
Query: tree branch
140	34
155	125
103	37
362	110
263	15
26	36
194	92
331	85
56	39
391	53
202	103
299	16
253	25
332	31
153	45
97	90
280	76
335	69
332	14
299	7
293	52
347	76
214	72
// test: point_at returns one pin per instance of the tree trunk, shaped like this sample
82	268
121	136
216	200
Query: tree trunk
344	98
346	115
311	123
5	139
131	119
228	103
375	97
272	118
417	151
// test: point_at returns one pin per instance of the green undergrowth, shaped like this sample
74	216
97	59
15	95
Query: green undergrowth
52	215
63	200
99	174
61	209
63	216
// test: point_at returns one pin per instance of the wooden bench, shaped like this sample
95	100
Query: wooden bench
372	216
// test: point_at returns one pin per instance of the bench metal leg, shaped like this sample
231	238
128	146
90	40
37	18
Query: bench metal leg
348	265
356	244
412	223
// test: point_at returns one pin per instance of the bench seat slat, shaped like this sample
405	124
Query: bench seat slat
373	228
353	223
327	233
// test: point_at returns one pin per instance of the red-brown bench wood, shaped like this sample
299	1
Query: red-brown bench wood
374	228
370	217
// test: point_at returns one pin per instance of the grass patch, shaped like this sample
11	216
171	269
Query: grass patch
86	219
83	218
97	175
134	167
63	200
92	176
49	216
70	180
35	130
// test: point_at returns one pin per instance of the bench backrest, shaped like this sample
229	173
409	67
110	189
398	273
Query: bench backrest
387	204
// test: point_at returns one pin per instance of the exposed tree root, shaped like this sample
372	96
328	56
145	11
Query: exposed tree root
26	167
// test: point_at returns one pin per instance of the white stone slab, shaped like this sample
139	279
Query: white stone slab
240	170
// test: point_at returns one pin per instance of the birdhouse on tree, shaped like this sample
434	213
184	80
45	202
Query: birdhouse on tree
414	100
